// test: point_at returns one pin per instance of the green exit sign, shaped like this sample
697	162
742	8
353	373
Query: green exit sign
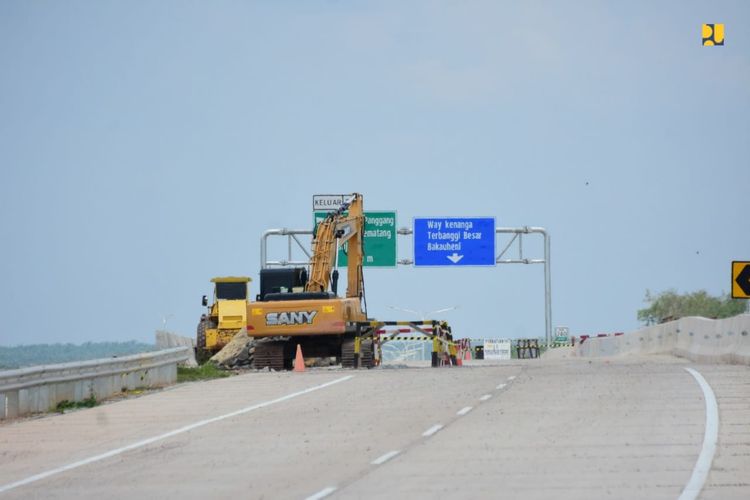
379	242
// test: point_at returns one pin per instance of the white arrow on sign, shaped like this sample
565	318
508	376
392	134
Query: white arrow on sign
455	257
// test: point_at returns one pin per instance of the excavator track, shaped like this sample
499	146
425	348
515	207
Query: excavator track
269	354
366	354
347	353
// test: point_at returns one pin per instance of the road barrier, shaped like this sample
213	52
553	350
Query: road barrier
41	388
527	348
698	339
557	344
444	349
463	350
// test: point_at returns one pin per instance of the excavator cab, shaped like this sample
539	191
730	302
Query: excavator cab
287	284
283	280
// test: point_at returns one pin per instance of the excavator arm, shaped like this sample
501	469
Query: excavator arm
323	256
336	230
356	220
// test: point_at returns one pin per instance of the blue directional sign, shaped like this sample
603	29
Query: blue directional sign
454	241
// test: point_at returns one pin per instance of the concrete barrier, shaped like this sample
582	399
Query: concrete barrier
699	339
41	388
167	340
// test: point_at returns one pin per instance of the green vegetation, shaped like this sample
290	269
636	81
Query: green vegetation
203	372
63	405
670	305
44	354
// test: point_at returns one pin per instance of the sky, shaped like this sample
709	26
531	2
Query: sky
146	146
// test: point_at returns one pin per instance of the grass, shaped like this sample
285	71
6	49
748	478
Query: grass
63	405
206	371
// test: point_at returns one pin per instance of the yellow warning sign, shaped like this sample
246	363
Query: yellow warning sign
741	280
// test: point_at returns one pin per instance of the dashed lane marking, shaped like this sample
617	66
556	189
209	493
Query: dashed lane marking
463	411
384	458
500	386
485	397
322	493
511	377
432	430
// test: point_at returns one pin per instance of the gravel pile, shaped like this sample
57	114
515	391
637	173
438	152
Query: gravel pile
236	354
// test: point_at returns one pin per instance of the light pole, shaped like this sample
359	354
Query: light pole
164	320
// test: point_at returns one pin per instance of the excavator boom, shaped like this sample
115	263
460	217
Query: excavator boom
337	227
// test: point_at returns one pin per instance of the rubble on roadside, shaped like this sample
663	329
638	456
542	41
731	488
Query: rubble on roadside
236	354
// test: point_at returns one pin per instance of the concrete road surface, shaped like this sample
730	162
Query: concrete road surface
550	428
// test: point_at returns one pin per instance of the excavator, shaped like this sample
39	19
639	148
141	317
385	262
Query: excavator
296	308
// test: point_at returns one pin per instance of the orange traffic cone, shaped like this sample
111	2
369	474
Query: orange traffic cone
299	361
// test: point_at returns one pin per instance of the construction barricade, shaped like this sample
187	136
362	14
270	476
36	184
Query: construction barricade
444	349
527	348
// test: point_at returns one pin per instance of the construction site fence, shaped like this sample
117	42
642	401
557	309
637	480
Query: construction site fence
455	351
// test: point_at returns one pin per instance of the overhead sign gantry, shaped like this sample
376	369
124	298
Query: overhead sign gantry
442	242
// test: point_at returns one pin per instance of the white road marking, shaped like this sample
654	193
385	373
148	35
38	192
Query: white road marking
500	386
322	493
384	458
703	465
432	430
463	411
511	377
485	397
166	435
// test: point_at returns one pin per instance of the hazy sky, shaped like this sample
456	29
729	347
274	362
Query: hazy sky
145	146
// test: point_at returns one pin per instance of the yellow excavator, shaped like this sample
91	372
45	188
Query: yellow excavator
296	308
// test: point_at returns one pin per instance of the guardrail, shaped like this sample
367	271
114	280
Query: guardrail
41	388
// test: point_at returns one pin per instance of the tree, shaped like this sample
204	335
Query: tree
670	305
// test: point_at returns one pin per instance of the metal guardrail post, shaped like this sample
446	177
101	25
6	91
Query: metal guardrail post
9	407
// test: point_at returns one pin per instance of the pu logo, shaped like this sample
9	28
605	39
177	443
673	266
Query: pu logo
713	34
